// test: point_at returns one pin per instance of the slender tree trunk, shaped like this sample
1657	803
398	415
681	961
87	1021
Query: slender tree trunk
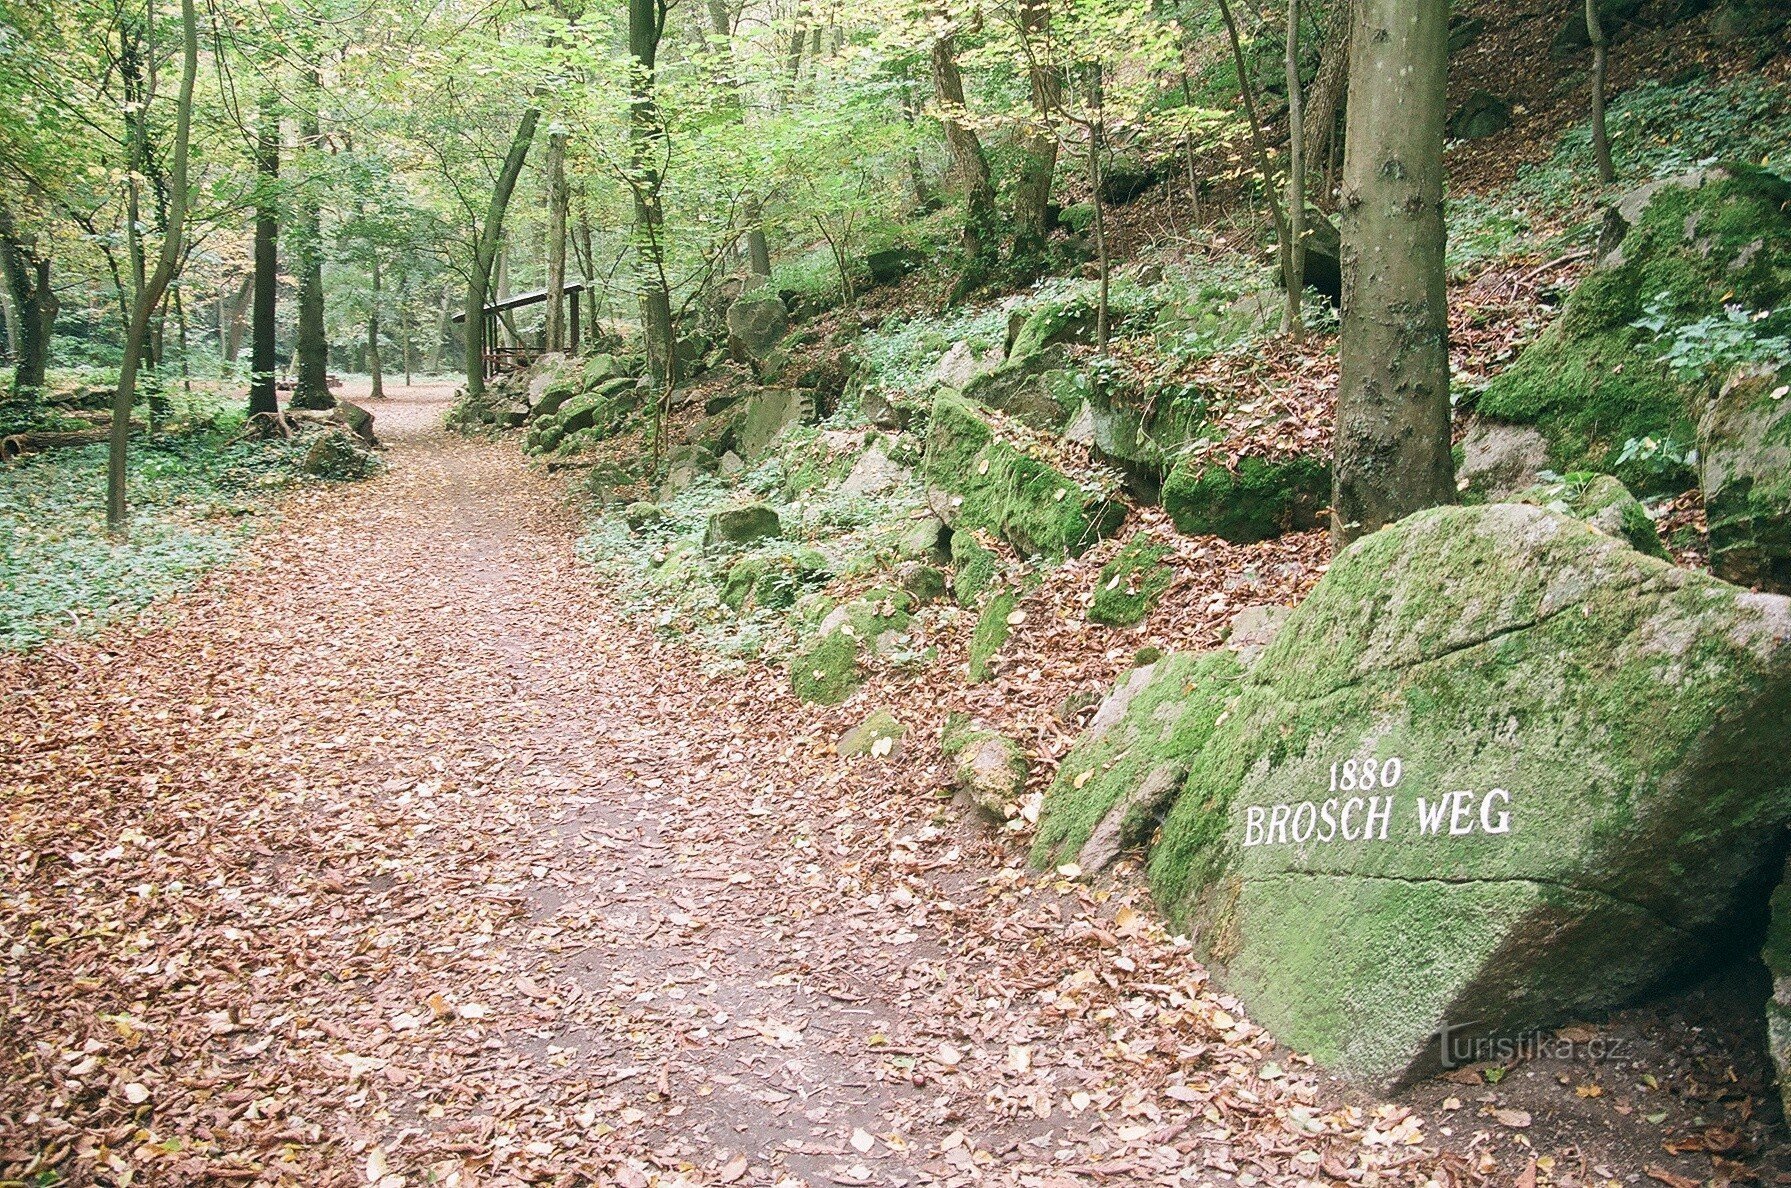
374	372
262	364
233	310
432	362
1601	144
1259	142
1095	129
404	335
1321	103
917	177
311	390
559	200
34	306
647	136
1296	178
147	298
1038	144
1392	437
6	309
485	250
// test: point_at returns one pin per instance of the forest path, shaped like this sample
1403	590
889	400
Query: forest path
394	855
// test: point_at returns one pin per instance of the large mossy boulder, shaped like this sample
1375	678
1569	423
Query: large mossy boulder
1595	380
1498	770
980	478
768	413
1030	387
1744	452
1259	500
757	322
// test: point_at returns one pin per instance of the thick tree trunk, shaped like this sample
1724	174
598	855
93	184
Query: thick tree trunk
311	390
1038	144
1601	142
969	163
34	305
647	136
262	364
1296	177
147	298
485	250
559	200
1324	97
1392	436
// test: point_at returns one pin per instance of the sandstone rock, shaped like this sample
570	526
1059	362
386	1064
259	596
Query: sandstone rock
989	769
642	514
1499	770
1499	460
756	323
742	525
1260	500
1129	586
889	265
1481	115
358	420
1603	502
959	365
729	465
1744	449
338	454
879	736
770	411
1253	629
874	473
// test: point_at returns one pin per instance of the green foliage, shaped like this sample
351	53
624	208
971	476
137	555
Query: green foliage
1713	346
193	497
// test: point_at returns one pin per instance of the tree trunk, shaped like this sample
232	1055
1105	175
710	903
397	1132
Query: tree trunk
311	390
969	163
1260	144
147	298
34	306
1296	178
559	200
233	309
432	362
485	250
1601	143
647	137
1321	103
1038	144
262	364
378	388
1392	437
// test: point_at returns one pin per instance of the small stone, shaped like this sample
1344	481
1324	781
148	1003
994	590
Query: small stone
878	736
742	525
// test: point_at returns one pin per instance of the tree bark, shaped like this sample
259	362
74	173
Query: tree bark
233	308
485	250
377	390
34	305
1601	143
262	364
647	136
1037	144
432	362
969	163
1296	178
311	390
1321	102
147	298
1392	436
559	200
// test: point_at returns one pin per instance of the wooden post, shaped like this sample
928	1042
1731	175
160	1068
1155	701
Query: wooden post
574	321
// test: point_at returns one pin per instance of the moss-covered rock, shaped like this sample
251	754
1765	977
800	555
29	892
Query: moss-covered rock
642	514
973	568
600	368
1603	502
1129	765
1029	387
742	525
1498	770
988	768
922	582
993	627
827	672
1744	450
879	735
1129	586
988	481
554	396
1049	324
873	619
1776	954
339	455
768	412
1262	499
1594	381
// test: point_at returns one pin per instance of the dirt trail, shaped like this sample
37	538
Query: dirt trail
394	855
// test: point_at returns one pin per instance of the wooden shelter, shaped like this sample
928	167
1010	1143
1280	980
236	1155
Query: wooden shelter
501	358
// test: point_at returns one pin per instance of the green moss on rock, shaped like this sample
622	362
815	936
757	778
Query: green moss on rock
973	568
988	482
992	631
1261	500
1594	381
1616	727
827	672
1744	447
1603	502
1129	586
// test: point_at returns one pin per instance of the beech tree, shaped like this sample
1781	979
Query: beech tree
1392	437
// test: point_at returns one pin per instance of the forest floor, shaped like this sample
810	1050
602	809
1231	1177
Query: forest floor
392	854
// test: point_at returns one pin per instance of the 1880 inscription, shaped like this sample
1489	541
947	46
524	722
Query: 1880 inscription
1367	808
